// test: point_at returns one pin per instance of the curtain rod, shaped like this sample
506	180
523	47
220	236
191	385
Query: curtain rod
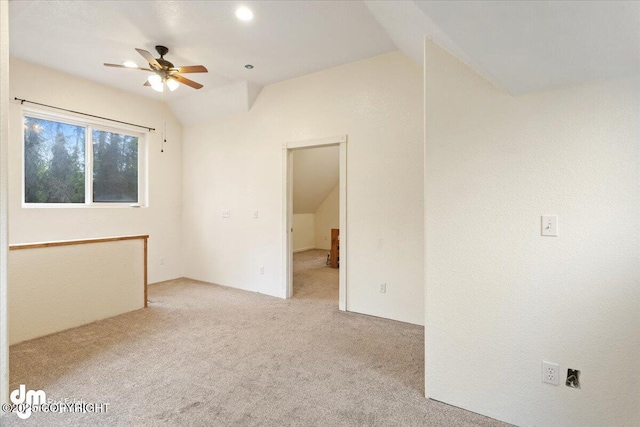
22	101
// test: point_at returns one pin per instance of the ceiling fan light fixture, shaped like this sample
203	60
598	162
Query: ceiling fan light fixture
243	13
156	82
154	79
130	64
172	84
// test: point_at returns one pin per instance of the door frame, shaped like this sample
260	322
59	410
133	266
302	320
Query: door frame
287	209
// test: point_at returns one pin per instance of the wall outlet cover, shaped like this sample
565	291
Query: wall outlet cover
550	373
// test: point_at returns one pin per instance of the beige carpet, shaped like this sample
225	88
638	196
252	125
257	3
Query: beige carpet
206	355
313	280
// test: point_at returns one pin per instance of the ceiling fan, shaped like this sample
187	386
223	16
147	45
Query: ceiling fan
164	71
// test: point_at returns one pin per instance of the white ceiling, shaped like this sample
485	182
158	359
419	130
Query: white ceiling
520	46
286	39
534	45
523	46
316	171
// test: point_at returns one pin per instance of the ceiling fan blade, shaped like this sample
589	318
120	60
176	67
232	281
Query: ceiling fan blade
129	68
150	59
185	81
191	69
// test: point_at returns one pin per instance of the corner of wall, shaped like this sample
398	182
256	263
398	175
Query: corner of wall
327	216
505	295
4	144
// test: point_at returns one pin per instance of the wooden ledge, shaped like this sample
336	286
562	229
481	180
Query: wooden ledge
75	242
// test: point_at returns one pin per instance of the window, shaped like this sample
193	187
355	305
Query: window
73	163
115	167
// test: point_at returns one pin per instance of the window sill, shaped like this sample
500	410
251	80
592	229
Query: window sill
82	205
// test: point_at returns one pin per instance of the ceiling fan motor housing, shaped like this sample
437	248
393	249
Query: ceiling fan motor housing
162	50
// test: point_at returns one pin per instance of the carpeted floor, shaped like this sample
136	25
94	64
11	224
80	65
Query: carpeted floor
206	355
313	280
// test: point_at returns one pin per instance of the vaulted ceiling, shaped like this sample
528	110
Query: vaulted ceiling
519	46
523	46
316	172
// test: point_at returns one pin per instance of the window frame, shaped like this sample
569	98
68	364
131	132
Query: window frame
90	125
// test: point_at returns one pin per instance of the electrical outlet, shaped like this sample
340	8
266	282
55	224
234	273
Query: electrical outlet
262	269
226	213
383	288
550	373
161	261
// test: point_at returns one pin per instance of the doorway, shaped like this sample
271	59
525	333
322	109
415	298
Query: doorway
288	220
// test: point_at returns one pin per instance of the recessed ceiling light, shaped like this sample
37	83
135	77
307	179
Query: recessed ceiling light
130	64
244	13
249	67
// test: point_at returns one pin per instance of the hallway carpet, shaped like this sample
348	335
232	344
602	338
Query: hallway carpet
207	355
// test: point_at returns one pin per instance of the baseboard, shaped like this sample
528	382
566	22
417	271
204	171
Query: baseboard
304	249
169	280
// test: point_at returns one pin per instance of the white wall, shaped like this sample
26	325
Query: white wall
303	232
315	172
313	231
161	220
72	285
4	143
236	163
500	298
327	216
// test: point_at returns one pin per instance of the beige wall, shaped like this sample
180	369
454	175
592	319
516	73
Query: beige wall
161	219
315	172
303	232
327	216
313	231
500	298
236	163
72	285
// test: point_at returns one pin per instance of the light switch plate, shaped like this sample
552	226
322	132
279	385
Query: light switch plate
549	225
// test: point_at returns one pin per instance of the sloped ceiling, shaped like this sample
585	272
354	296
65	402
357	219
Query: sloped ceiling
316	171
286	39
523	46
520	46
